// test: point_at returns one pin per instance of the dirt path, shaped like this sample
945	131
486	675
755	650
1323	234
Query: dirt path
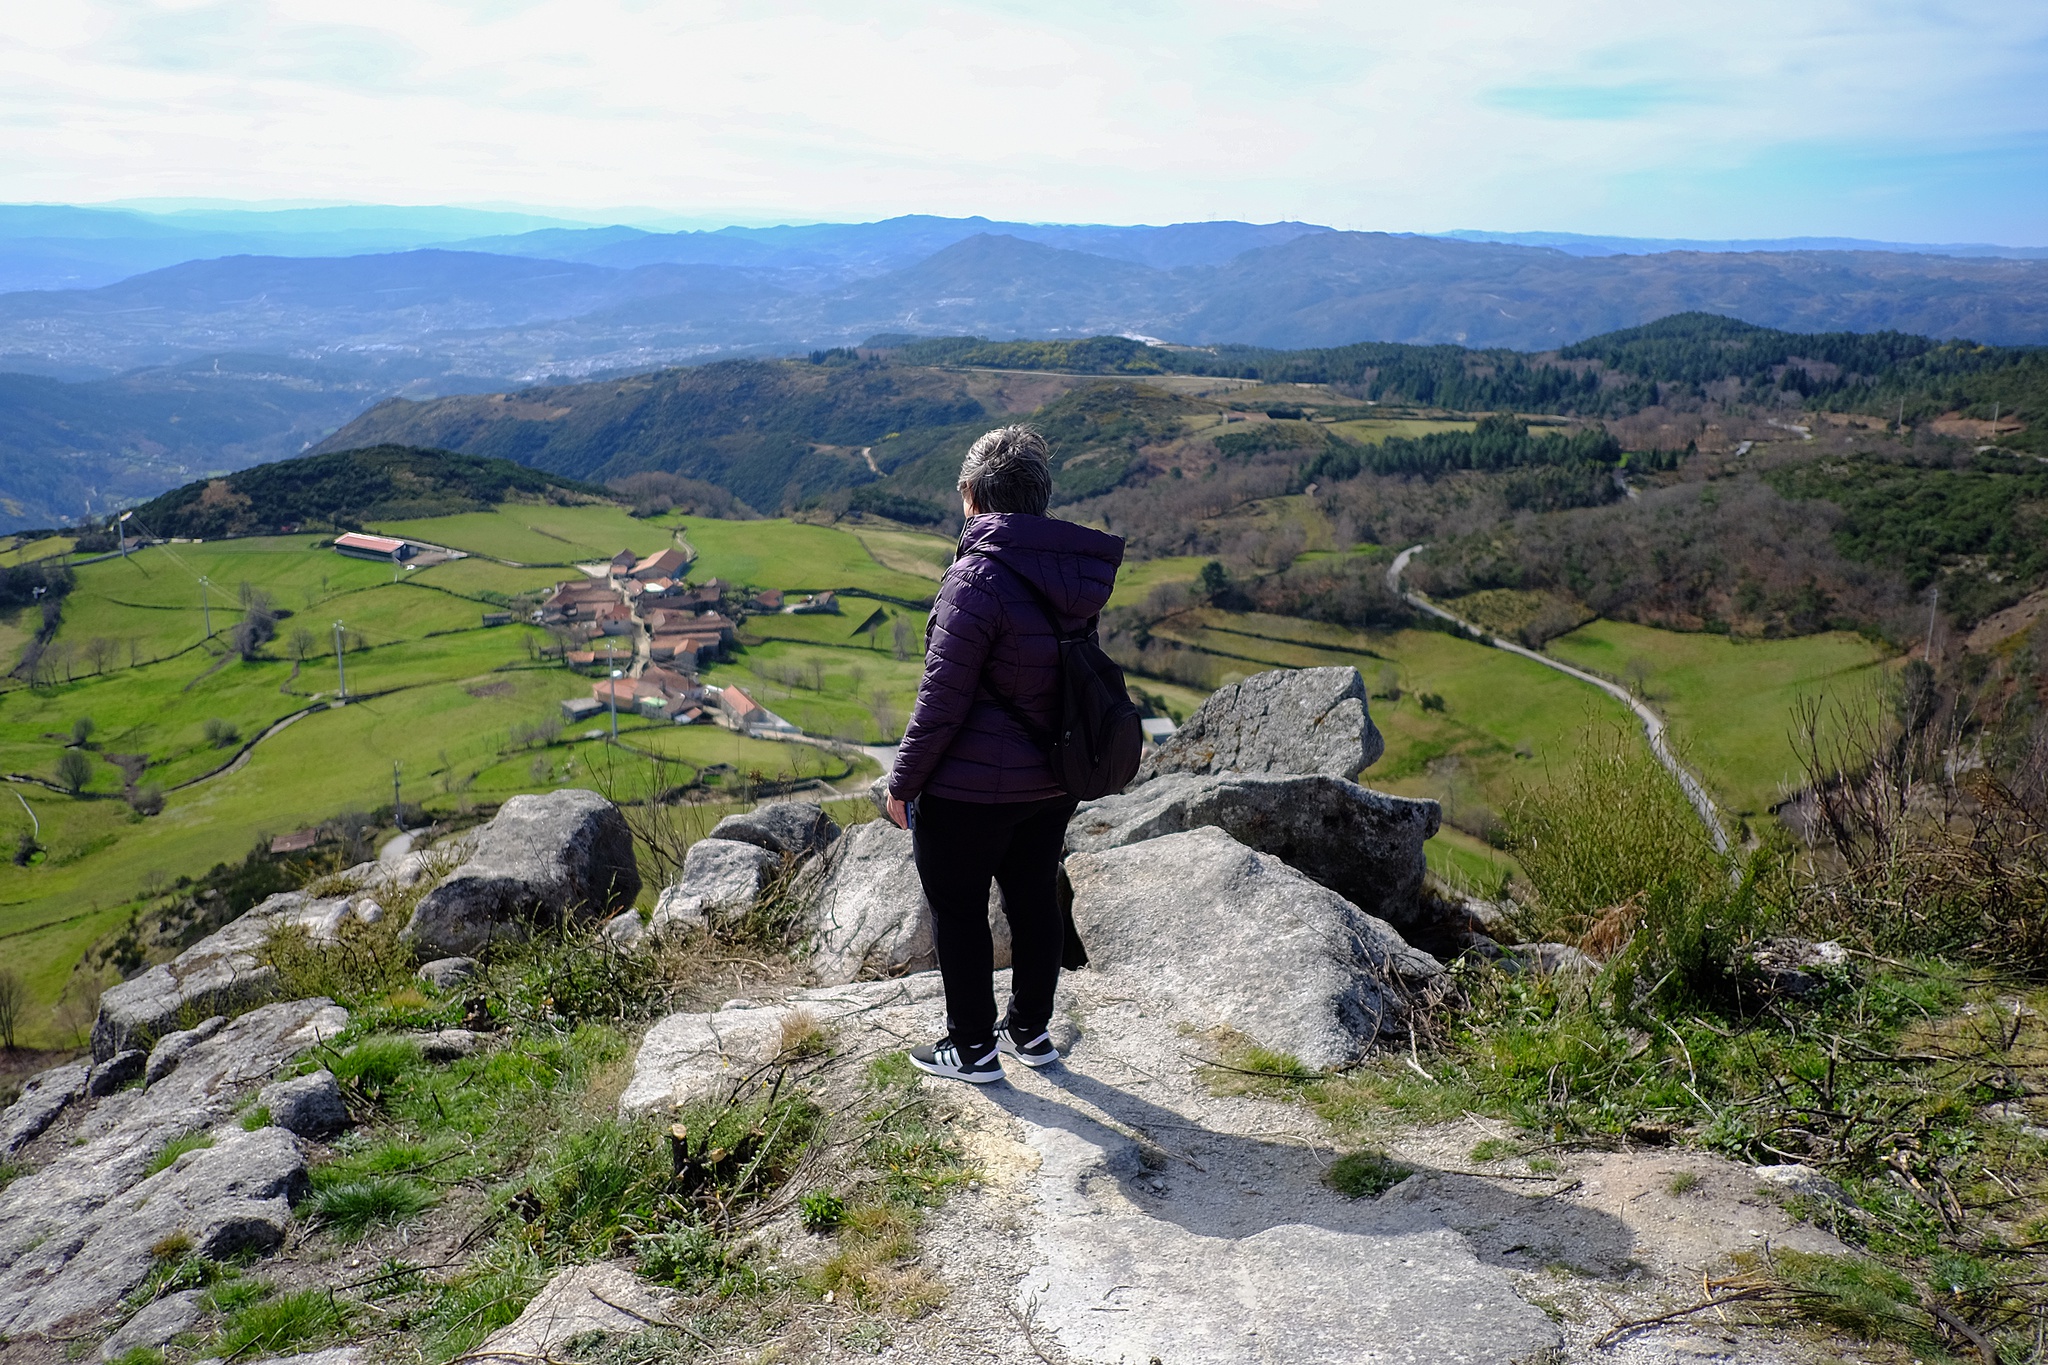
1129	1208
1654	725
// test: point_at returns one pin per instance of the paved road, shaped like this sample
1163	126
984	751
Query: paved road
1653	724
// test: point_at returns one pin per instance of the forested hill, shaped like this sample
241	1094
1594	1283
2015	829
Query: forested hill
341	491
1686	355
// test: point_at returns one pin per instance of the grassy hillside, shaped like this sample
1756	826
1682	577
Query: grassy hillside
537	533
343	489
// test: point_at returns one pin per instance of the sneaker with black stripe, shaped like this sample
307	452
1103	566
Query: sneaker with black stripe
1032	1050
945	1058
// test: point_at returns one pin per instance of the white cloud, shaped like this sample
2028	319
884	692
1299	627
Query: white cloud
1385	115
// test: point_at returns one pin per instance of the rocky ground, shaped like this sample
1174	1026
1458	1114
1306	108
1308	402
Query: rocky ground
1148	1200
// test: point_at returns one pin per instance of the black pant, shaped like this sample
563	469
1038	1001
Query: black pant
959	846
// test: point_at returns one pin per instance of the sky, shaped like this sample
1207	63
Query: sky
1897	120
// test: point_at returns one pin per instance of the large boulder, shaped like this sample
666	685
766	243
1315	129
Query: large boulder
867	911
1364	845
1223	935
542	860
223	972
76	1231
1303	720
721	880
793	829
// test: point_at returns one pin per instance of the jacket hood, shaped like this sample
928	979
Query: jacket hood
1074	566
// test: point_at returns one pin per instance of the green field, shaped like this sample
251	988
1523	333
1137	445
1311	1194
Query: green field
1135	581
1503	716
907	551
795	557
1730	702
22	550
1371	431
540	533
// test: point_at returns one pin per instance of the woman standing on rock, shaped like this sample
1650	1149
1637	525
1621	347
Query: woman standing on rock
971	781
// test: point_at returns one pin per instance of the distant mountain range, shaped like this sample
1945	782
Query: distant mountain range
497	318
251	335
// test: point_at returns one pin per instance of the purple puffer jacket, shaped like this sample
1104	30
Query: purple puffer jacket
987	625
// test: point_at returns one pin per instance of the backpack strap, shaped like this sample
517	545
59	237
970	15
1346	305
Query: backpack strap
1038	734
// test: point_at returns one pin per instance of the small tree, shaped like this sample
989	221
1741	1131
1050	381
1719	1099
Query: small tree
302	644
13	997
74	770
901	634
81	730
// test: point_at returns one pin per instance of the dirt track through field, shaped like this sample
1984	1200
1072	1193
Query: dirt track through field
1654	726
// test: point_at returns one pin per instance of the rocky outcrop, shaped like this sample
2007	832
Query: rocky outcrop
1300	721
446	973
221	973
603	1299
154	1324
1364	845
1223	935
172	1047
867	911
541	861
793	829
310	1106
686	1057
76	1231
118	1070
228	1200
721	880
42	1099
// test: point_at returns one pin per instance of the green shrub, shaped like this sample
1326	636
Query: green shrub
1622	866
1365	1175
177	1147
353	1207
822	1211
256	1118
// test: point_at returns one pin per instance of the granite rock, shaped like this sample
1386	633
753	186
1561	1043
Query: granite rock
542	861
1303	720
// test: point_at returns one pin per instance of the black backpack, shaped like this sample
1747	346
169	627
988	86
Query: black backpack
1099	740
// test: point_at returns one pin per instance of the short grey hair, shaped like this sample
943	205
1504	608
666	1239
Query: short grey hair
1008	470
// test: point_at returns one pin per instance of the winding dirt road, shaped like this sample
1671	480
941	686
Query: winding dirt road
1654	726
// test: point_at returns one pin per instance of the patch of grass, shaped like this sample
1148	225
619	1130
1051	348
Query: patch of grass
1246	1068
277	1324
1857	1295
353	1207
822	1211
892	1071
375	1066
1494	1149
172	1246
1683	1183
234	1293
803	1037
256	1118
1365	1175
177	1147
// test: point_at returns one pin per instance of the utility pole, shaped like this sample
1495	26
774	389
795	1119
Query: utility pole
397	809
1931	609
121	534
205	608
339	667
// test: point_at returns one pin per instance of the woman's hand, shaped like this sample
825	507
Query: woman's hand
897	813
